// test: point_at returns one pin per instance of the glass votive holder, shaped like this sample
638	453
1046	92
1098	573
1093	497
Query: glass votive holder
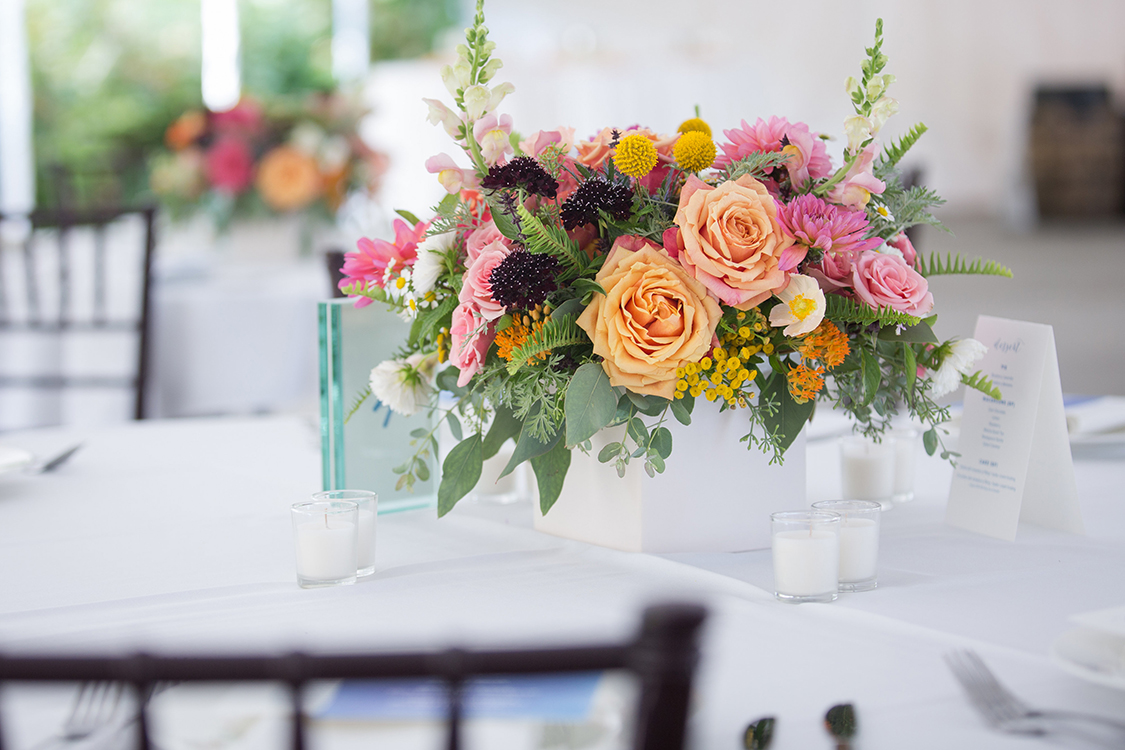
859	541
806	555
867	468
368	503
906	452
325	539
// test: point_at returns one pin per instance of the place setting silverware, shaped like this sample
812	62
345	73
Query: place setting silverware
1005	712
49	464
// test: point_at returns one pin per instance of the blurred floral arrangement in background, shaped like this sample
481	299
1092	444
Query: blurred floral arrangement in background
267	158
109	76
622	280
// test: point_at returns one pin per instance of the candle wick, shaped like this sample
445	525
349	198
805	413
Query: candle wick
326	519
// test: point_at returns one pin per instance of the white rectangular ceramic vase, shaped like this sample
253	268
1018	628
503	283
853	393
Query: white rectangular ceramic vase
714	495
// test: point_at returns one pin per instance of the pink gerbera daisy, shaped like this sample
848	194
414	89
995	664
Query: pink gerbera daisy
814	223
368	265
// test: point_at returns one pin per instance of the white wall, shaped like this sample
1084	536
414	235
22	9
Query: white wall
966	68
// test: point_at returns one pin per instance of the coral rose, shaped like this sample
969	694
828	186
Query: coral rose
477	287
288	179
731	239
653	318
884	280
470	336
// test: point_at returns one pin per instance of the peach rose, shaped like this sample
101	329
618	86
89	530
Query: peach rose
288	179
652	319
731	240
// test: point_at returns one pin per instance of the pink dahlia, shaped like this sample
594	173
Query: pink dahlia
816	224
230	167
808	154
368	265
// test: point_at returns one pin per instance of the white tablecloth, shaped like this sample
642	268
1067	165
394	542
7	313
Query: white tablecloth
175	536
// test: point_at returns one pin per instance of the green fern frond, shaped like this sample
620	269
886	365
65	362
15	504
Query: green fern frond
553	240
894	151
935	265
363	396
843	310
757	165
981	382
555	334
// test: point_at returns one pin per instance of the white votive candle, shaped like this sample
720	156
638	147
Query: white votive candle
859	541
867	468
906	451
368	510
806	555
325	540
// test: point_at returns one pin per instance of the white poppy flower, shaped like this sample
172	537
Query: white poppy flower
802	306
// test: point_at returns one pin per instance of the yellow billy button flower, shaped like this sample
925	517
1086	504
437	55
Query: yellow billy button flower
744	332
694	151
705	363
767	348
720	353
636	156
695	124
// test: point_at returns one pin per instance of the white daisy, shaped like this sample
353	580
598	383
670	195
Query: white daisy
428	266
403	384
959	361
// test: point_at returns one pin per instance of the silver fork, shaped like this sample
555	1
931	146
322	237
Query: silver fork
94	707
1002	710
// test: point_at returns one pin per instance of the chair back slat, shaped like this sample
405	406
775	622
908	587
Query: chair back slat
99	315
663	656
31	279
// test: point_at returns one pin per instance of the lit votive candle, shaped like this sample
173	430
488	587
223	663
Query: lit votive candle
368	503
867	468
906	451
325	539
859	541
806	555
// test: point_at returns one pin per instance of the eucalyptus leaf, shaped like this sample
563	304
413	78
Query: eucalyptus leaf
682	407
657	463
504	426
662	441
420	432
550	473
910	362
527	447
638	432
454	425
917	334
608	453
460	472
648	405
422	470
407	215
930	441
446	380
570	307
590	403
790	416
872	376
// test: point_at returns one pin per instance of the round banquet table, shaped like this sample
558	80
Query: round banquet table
174	536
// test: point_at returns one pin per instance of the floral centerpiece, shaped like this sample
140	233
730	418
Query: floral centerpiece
266	158
636	277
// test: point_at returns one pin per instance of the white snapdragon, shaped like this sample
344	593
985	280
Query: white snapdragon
881	111
959	361
858	129
404	385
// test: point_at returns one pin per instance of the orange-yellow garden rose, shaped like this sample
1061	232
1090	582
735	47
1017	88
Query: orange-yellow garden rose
731	241
653	318
288	179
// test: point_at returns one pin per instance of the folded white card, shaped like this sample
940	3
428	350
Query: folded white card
1015	459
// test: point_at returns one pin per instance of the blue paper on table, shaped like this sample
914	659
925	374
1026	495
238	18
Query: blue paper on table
560	697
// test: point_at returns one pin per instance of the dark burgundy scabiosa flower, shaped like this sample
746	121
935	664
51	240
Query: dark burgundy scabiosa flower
582	206
524	172
523	279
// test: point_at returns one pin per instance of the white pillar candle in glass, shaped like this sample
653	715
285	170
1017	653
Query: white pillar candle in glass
325	536
806	555
859	541
867	468
368	503
906	451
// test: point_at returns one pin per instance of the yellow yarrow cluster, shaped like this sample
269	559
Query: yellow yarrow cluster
694	151
636	156
695	125
720	378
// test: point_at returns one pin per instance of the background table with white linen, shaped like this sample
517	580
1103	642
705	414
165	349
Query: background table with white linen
175	536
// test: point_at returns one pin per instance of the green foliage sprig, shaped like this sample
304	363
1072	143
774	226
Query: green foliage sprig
844	310
953	263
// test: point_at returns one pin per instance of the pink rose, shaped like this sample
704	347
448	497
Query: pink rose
476	287
470	337
903	245
833	273
481	237
230	167
884	280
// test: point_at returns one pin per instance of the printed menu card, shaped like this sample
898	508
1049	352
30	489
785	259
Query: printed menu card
1015	459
